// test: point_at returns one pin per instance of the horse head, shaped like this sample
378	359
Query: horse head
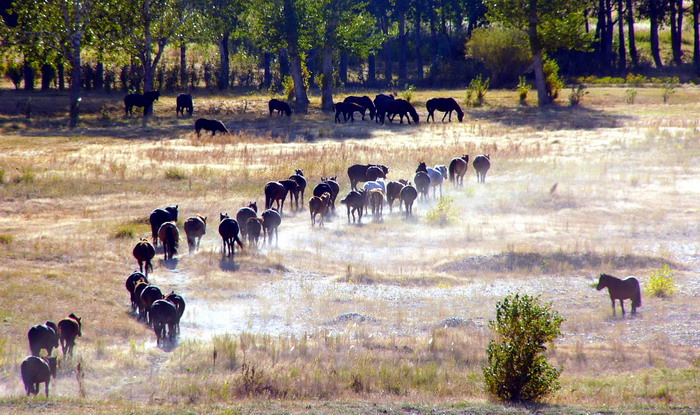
223	216
300	172
254	206
422	167
602	282
465	157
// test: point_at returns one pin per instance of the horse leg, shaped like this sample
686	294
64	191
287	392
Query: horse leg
443	117
622	306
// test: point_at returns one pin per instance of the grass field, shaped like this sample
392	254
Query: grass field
385	317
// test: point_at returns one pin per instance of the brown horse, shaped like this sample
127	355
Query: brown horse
318	206
164	313
170	238
355	202
179	304
301	183
458	168
228	229
148	296
195	228
275	192
621	290
482	164
144	253
376	200
446	105
243	214
36	370
68	330
393	192
408	195
254	228
136	297
131	282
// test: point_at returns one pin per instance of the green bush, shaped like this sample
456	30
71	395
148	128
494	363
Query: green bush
407	92
442	214
523	88
553	81
476	91
517	369
505	52
577	93
15	72
662	283
288	85
630	95
174	173
670	85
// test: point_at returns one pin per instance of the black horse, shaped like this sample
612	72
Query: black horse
43	336
159	217
446	105
228	229
209	125
358	173
301	183
137	100
381	105
363	101
184	102
281	107
621	290
348	109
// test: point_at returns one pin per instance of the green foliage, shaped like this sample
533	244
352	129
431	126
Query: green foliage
444	213
504	51
407	92
577	93
6	239
670	85
14	72
630	95
517	369
476	91
288	85
553	82
636	79
523	89
662	283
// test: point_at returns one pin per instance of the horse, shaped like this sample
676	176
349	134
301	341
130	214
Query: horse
144	253
169	236
184	102
318	206
363	101
408	195
244	214
355	202
228	229
380	105
159	217
275	192
148	296
332	182
68	329
43	336
393	192
140	286
422	181
402	108
301	183
376	199
458	168
436	177
271	223
348	109
621	290
253	228
292	188
281	107
164	313
137	100
131	282
210	125
374	173
358	173
482	164
179	304
195	228
446	105
36	370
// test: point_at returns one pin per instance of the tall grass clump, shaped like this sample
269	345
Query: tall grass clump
670	86
6	239
517	368
630	95
577	93
444	213
523	89
407	92
552	80
26	176
662	283
174	173
476	91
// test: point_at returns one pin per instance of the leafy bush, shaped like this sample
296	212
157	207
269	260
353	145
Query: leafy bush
288	85
476	91
442	214
15	73
630	95
523	88
662	283
517	368
407	92
670	85
636	79
553	82
577	93
505	52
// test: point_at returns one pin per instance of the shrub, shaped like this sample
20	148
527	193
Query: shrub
15	73
174	173
442	214
630	95
670	85
504	52
407	92
553	82
517	369
288	85
26	175
577	93
523	89
662	283
476	91
635	79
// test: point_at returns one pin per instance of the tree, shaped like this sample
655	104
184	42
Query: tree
517	368
549	24
222	19
505	52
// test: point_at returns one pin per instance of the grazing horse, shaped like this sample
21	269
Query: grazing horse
363	101
446	105
436	177
169	236
210	125
137	100
376	199
228	229
402	108
318	206
482	164
36	370
381	105
271	223
43	336
179	304
159	217
458	168
275	192
358	173
131	282
144	253
348	109
68	330
355	202
184	102
301	183
246	213
195	228
393	192
164	313
621	290
253	228
281	107
422	181
148	296
408	195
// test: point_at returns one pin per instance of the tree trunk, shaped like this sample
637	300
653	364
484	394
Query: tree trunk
371	70
28	76
419	56
343	68
47	74
75	81
146	58
292	37
630	34
284	64
100	75
183	64
403	69
676	11
433	44
609	34
224	62
61	74
327	77
536	49
696	36
621	40
654	16
267	73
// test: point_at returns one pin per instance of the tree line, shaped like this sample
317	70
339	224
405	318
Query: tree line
317	43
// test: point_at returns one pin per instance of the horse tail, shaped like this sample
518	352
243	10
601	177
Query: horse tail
451	169
637	297
172	240
154	233
238	241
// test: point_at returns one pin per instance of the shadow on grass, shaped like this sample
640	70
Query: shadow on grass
228	264
550	118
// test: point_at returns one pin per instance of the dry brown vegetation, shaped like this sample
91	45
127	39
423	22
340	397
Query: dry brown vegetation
388	316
